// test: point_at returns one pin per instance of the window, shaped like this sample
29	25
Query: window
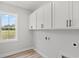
7	26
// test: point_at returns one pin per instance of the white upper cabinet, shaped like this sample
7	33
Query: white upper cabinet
40	18
62	14
58	15
75	22
66	15
32	22
47	16
70	15
44	17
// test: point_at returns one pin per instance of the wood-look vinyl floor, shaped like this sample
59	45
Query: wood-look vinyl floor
25	54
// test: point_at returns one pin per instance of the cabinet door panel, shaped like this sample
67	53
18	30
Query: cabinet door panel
33	21
39	18
70	13
47	16
70	10
30	22
60	15
75	14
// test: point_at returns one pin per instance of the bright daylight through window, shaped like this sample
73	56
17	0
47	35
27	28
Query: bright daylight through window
7	26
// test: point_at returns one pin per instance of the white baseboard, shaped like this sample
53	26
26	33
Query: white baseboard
14	52
42	54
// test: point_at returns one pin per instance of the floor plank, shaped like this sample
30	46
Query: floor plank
25	54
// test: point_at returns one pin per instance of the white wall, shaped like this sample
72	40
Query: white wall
60	43
24	35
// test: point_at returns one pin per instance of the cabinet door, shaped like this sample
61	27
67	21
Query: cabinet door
70	14
30	22
75	15
61	15
33	21
40	18
47	16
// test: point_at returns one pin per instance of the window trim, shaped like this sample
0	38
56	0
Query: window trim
16	22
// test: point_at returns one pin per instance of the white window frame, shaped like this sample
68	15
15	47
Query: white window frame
9	40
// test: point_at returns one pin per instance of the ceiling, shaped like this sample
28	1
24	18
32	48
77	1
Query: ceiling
29	5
